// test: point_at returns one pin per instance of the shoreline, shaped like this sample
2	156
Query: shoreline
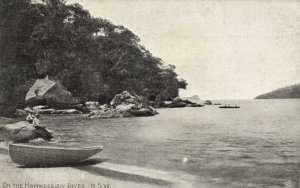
87	173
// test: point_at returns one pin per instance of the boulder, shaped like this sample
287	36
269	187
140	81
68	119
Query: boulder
92	105
177	104
82	107
39	107
45	111
104	106
51	93
192	105
66	111
144	112
124	104
27	109
110	113
125	98
207	102
21	113
23	132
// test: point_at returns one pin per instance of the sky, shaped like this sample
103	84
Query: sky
225	49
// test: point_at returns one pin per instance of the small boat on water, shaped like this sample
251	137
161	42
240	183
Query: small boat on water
24	155
228	106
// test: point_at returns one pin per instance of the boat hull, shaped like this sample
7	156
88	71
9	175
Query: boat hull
41	155
229	107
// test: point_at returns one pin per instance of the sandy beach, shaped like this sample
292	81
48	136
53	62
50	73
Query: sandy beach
94	172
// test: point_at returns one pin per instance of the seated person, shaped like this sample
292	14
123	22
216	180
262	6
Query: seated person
30	118
36	121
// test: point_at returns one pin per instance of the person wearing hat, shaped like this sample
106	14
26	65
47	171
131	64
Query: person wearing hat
30	118
36	121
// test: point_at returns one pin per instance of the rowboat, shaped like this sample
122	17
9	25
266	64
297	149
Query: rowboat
229	107
44	155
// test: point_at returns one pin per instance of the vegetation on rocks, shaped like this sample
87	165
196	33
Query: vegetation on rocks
93	58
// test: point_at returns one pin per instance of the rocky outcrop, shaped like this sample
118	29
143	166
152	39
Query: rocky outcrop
207	102
66	111
125	98
124	104
50	92
23	132
45	110
179	103
21	113
92	105
82	108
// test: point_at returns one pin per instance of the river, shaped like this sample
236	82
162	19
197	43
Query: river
257	145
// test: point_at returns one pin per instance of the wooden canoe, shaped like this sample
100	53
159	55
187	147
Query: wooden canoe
44	155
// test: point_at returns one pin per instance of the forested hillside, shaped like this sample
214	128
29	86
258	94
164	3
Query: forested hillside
288	92
90	56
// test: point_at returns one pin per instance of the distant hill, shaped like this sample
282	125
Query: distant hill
288	92
192	98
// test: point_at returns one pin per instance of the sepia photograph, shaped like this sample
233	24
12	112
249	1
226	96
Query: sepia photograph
149	93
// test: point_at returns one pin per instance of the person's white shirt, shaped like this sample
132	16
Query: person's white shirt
30	117
36	121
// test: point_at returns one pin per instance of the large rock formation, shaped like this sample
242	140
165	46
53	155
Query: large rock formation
207	102
180	103
288	92
49	92
124	104
23	132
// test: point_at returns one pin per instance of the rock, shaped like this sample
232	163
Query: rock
21	113
104	106
192	105
177	104
125	107
124	104
66	111
144	112
207	102
82	107
5	120
46	111
40	107
50	92
37	140
92	105
27	109
125	98
111	113
23	132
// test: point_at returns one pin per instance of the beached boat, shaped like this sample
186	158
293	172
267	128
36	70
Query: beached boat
44	155
229	107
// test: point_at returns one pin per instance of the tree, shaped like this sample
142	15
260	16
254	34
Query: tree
92	57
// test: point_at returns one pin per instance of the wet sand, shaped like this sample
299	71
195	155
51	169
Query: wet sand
93	172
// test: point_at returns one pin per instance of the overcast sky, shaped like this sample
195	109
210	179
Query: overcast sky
224	49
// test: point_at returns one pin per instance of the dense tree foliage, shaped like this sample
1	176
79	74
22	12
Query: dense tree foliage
91	56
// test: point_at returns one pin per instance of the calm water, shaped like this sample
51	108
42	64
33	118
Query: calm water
257	145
